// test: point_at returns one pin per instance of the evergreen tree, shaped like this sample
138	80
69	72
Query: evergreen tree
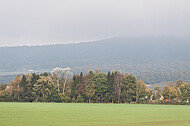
110	78
74	84
129	88
24	84
101	88
81	86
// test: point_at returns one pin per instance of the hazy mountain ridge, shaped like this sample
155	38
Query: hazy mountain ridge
125	54
112	51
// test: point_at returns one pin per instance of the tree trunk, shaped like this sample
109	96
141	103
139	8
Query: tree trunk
43	95
18	90
58	86
89	100
119	95
137	99
118	101
64	85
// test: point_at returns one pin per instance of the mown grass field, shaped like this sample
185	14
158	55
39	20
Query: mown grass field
61	114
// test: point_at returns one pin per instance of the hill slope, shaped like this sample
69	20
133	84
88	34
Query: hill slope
125	54
112	51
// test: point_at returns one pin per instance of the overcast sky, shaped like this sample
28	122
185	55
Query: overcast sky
33	22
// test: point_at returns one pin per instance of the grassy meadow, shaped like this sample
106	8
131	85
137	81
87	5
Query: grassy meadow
62	114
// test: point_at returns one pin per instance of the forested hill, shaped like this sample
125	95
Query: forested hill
104	52
125	54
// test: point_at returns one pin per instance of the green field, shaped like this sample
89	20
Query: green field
61	114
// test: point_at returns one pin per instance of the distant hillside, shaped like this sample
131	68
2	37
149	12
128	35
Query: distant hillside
125	54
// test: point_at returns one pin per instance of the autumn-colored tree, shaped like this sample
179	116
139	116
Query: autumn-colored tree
171	84
140	90
166	92
16	87
90	85
185	91
179	94
148	93
56	80
179	83
44	88
157	92
172	93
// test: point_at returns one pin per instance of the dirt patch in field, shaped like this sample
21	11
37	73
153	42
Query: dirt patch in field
149	123
161	122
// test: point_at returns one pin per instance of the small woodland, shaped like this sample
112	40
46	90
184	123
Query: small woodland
95	87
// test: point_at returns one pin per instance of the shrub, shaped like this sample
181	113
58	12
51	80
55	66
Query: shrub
184	102
64	98
159	101
80	99
142	100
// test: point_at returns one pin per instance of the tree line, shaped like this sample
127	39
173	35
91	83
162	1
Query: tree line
95	87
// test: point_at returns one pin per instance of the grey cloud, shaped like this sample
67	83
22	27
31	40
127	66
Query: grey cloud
32	22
